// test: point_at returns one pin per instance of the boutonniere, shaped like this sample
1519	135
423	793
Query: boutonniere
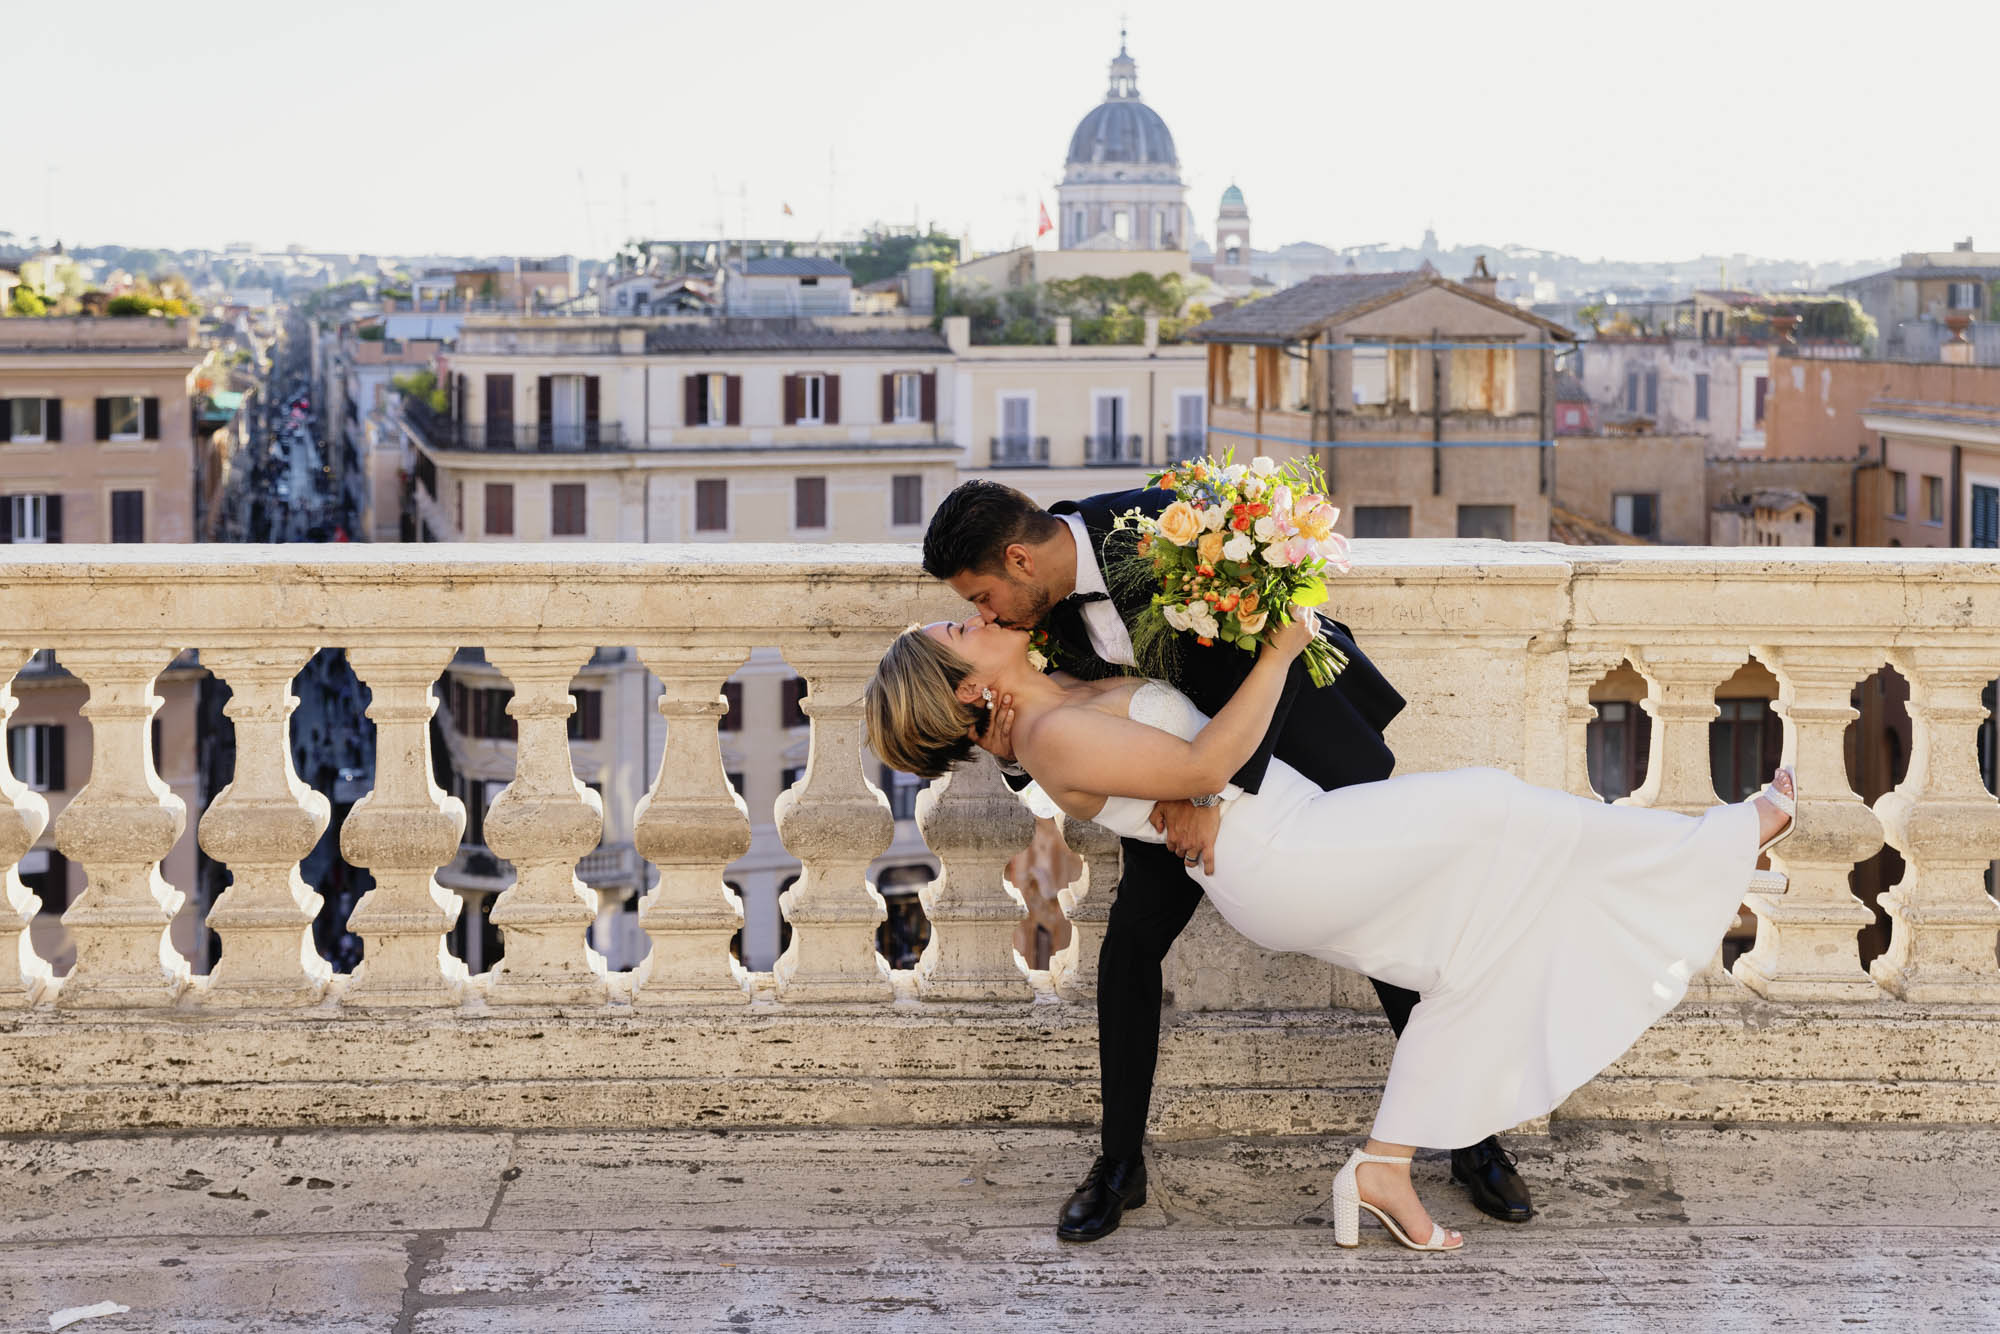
1042	650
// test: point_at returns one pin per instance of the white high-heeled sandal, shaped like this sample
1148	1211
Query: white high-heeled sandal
1777	882
1348	1204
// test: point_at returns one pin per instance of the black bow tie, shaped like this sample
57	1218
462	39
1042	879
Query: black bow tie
1081	598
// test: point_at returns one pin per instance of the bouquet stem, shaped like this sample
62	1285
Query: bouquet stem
1324	662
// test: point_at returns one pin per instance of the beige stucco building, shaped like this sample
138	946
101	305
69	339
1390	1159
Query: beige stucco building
1430	403
97	445
1064	420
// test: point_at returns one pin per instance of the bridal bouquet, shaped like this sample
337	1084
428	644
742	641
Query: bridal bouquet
1240	544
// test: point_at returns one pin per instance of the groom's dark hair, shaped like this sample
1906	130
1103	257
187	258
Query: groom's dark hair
976	524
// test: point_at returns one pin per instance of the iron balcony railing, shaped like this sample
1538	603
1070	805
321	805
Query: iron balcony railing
1184	445
1104	451
542	437
1020	451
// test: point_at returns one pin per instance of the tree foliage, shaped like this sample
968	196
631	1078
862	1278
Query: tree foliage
883	256
1100	310
26	301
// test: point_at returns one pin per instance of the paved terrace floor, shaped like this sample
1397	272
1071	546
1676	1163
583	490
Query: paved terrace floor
1687	1227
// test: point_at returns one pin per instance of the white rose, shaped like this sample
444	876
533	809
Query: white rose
1262	466
1203	617
1177	616
1266	528
1238	547
1212	518
1253	624
1254	488
1234	474
1276	556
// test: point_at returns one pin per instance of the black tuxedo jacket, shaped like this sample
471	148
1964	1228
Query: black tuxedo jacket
1331	734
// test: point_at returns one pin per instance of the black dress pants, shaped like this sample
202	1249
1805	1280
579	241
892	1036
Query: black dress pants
1156	898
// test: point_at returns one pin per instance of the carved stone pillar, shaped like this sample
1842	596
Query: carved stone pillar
544	822
402	832
836	823
119	826
1587	666
691	825
1947	826
1681	681
1806	948
975	825
260	826
1087	903
24	813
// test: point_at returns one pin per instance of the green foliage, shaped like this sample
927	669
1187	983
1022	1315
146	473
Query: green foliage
138	303
422	385
395	294
27	302
1593	315
1100	310
371	333
885	256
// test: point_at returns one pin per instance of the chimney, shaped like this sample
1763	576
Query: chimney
1481	280
1957	350
1062	331
1152	332
958	333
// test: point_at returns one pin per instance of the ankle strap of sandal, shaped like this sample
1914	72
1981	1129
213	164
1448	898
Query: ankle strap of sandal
1361	1157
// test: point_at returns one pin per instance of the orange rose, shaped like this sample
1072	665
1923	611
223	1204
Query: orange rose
1209	549
1248	602
1179	524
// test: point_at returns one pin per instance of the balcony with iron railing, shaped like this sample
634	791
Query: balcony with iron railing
1103	449
1019	451
1497	646
550	437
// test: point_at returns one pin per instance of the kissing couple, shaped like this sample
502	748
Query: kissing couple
1520	939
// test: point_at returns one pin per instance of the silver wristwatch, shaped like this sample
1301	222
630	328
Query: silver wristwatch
1212	799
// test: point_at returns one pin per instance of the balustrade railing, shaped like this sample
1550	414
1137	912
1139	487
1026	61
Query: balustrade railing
1498	654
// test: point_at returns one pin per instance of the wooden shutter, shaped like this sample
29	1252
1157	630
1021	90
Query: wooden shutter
458	396
58	767
888	398
590	715
152	431
732	695
6	521
735	417
499	409
51	419
930	396
6	419
831	405
567	509
711	505
794	389
545	408
499	509
809	502
795	693
128	516
53	523
103	419
691	414
590	405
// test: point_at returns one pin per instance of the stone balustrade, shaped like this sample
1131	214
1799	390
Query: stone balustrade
1496	645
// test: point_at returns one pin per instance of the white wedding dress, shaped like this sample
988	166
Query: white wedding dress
1545	932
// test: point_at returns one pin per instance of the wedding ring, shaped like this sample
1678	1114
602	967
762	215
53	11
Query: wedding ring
1191	860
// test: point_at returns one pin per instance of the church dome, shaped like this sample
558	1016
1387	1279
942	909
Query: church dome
1122	130
1232	198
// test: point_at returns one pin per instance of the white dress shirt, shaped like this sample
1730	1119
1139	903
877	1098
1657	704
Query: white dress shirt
1108	635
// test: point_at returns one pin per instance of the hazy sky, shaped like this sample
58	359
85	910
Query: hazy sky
1819	131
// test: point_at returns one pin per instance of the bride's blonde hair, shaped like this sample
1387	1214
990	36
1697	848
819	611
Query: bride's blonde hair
916	721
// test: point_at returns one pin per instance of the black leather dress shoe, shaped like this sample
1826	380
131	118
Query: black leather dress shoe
1497	1189
1112	1186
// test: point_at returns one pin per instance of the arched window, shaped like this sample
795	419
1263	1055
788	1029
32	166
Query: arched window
1232	253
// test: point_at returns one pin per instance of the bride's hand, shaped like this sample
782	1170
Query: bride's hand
1291	638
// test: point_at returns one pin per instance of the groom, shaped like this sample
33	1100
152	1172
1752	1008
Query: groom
1025	567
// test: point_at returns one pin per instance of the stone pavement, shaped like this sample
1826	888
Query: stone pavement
1683	1227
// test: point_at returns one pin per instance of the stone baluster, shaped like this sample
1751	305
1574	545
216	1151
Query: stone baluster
544	822
402	832
975	825
119	826
1087	904
1680	698
691	825
1806	938
24	813
836	823
1947	826
1587	666
260	826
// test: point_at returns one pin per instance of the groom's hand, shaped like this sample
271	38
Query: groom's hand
1190	831
998	738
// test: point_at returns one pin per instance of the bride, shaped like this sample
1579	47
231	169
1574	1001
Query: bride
1545	932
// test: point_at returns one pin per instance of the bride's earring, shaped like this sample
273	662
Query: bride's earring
986	693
